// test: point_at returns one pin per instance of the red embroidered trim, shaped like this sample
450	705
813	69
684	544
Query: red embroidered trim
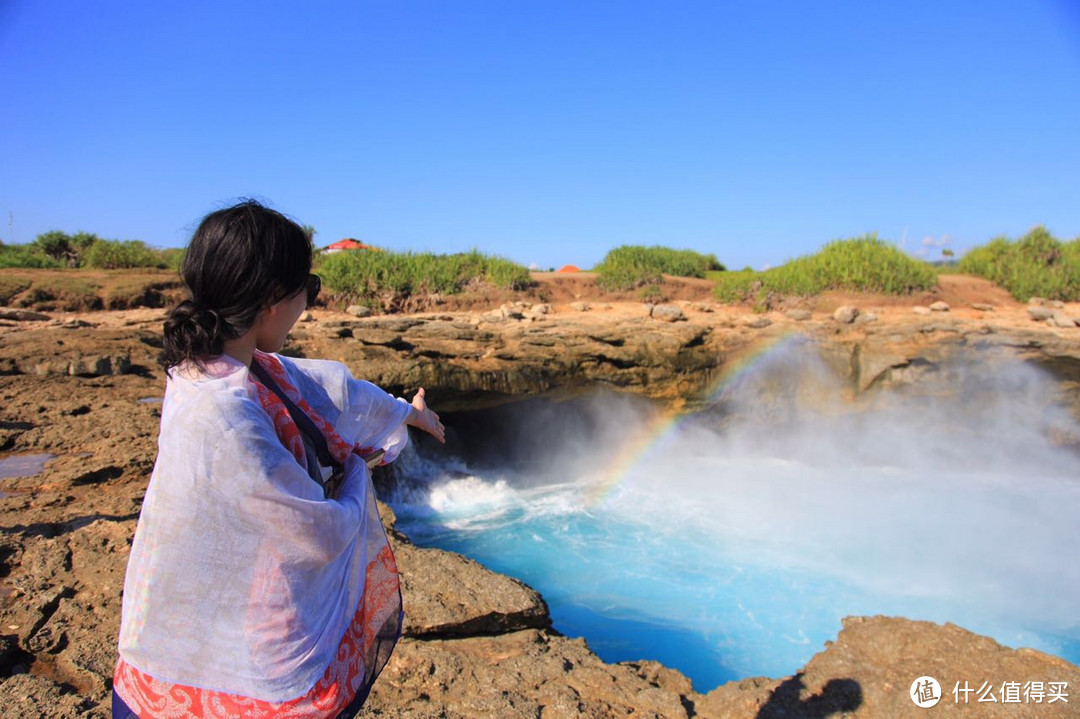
151	698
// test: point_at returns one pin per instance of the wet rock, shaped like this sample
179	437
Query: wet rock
667	313
877	364
939	306
846	314
359	310
798	315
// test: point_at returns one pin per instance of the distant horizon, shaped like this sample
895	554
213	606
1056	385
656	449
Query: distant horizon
547	132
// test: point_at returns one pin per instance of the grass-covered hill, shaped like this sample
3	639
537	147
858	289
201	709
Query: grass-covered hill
1036	265
861	264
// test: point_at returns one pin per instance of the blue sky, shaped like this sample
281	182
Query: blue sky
546	132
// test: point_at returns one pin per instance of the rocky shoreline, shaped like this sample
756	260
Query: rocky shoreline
476	643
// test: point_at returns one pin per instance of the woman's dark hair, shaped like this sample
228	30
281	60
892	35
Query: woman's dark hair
240	259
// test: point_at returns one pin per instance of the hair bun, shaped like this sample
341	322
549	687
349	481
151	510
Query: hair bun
191	331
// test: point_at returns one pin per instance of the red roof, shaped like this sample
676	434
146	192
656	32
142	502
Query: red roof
349	244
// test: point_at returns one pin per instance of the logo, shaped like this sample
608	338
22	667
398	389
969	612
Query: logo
925	692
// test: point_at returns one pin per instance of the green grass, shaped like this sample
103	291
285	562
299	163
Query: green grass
1036	265
861	264
384	279
630	266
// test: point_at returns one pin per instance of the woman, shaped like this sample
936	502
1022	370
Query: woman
260	581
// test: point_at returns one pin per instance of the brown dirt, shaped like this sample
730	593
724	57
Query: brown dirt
959	291
563	288
89	290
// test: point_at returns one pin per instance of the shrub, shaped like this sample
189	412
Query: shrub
387	278
630	266
26	256
116	254
1035	265
172	257
68	250
861	264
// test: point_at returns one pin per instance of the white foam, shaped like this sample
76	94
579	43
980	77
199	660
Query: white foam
738	526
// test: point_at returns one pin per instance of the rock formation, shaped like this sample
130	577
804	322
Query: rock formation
476	643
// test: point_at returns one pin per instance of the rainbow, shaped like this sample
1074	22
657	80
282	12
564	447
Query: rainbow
651	435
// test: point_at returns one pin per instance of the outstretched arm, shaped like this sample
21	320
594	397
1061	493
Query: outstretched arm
423	417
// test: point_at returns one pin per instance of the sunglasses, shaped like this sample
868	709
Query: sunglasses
314	284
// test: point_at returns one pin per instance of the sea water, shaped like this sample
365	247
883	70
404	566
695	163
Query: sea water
731	542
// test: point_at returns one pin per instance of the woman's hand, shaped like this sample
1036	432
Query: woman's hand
423	417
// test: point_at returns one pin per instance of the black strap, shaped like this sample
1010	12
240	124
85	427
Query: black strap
304	422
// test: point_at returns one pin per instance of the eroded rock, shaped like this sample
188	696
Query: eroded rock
446	594
1061	320
359	310
757	323
667	313
846	314
1039	313
17	315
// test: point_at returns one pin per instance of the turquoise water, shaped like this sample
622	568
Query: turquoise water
733	543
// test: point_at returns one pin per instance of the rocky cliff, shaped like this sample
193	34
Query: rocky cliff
673	353
476	643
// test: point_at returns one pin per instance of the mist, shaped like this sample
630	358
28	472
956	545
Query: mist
729	542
